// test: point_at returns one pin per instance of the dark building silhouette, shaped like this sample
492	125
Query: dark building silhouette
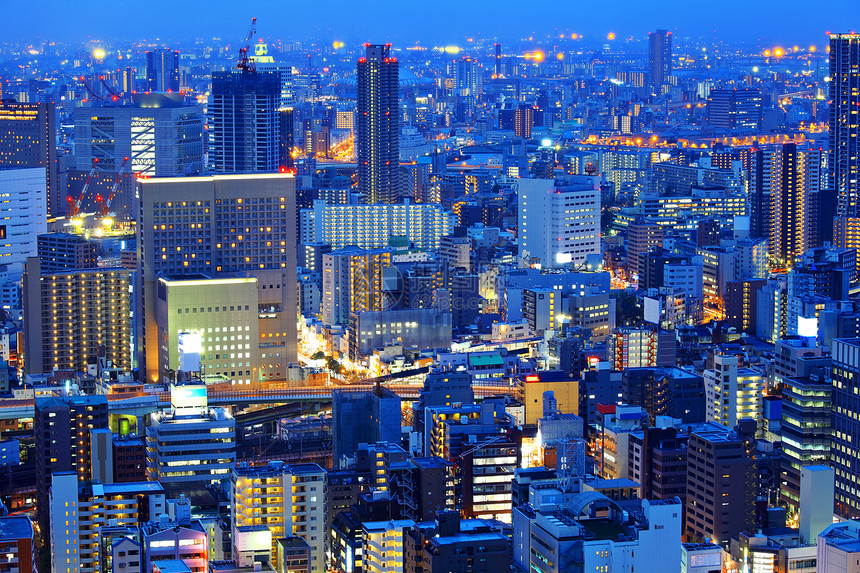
62	427
162	70
245	133
659	58
377	137
27	139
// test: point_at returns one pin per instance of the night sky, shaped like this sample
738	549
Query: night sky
787	22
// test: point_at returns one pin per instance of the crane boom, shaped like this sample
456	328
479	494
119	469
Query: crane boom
105	205
245	63
93	95
75	205
114	94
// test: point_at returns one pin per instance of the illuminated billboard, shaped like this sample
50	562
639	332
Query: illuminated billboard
807	327
190	347
189	398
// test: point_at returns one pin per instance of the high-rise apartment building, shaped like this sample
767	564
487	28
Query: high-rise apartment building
62	427
741	298
559	220
482	443
73	317
782	179
245	122
659	58
353	282
732	393
79	512
162	70
289	500
844	153
640	347
641	236
377	139
467	77
28	134
372	226
66	252
720	485
217	225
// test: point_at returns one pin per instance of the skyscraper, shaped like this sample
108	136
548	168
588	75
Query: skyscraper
162	70
378	133
844	158
159	133
659	58
218	226
467	77
28	135
245	122
782	179
735	109
845	434
72	316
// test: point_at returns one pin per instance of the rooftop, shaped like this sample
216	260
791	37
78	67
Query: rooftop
16	527
463	537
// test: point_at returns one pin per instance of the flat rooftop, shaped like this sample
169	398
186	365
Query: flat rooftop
16	527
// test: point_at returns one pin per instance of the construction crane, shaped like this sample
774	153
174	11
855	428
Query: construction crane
104	206
115	95
75	205
245	63
93	95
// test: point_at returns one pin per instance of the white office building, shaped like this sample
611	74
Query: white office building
22	219
190	442
559	220
685	277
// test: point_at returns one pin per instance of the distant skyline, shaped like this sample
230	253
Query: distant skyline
787	22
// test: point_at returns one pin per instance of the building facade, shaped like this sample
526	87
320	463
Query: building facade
222	224
27	139
377	137
559	220
71	318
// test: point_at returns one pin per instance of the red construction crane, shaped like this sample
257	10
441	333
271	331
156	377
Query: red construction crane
75	205
105	205
115	95
93	95
245	63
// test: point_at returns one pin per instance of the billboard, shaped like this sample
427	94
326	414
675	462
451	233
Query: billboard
807	327
189	398
190	347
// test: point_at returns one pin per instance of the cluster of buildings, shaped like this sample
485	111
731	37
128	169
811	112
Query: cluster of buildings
420	310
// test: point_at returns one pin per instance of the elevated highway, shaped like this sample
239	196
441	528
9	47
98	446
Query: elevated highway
238	396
